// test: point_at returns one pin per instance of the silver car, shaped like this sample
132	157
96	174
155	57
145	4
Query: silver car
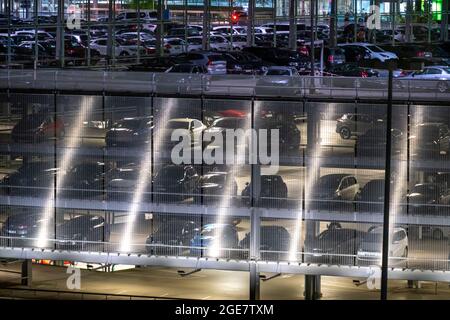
440	75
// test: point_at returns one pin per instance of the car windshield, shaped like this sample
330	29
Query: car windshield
329	182
375	49
177	125
181	69
278	72
215	178
373	237
425	189
128	124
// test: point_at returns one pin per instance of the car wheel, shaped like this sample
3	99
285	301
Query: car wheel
442	86
345	133
438	234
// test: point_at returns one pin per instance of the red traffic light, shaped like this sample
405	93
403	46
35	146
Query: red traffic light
234	17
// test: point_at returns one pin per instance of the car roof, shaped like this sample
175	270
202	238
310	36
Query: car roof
379	229
182	119
342	175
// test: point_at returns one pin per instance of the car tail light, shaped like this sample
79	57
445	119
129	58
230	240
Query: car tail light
403	73
70	51
209	63
330	58
167	46
421	54
364	74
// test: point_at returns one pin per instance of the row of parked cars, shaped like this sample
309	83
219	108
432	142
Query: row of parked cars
181	235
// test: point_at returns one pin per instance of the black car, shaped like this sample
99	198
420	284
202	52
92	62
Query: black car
130	131
32	178
175	182
83	180
24	228
288	132
170	236
429	140
274	242
243	63
38	127
424	197
273	191
279	57
81	231
353	70
371	197
157	64
373	142
412	56
214	187
334	246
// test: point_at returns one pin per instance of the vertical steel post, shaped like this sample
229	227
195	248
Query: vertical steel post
408	20
206	24
444	20
159	30
110	50
312	13
312	287
387	191
251	23
333	23
60	33
27	275
292	25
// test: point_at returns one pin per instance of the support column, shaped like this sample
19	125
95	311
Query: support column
292	25
60	33
444	20
206	24
254	281
312	287
408	20
251	23
159	30
333	24
26	273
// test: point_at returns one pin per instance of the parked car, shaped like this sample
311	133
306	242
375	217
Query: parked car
424	198
334	246
121	183
275	242
163	132
429	140
370	250
79	233
280	57
213	61
37	127
171	236
273	192
215	187
83	180
371	197
279	81
372	52
24	227
352	70
175	182
214	239
354	124
373	142
32	178
334	191
288	133
434	78
130	131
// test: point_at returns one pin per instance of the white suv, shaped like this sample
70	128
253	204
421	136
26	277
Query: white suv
372	51
370	249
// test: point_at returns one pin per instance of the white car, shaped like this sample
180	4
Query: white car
263	30
372	51
175	46
216	42
194	44
239	41
121	49
226	30
370	249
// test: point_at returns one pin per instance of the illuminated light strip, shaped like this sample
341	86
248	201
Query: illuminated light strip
145	175
72	144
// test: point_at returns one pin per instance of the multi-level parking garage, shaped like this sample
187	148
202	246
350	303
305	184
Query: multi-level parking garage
89	175
91	172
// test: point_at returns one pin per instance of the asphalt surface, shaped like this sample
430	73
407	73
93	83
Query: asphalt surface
204	285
